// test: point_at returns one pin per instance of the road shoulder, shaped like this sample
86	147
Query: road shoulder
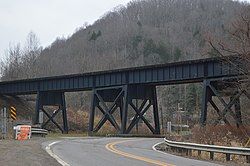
29	152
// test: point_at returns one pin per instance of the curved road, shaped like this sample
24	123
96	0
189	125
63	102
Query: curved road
115	151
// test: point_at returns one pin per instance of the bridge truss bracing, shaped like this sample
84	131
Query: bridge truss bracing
52	99
233	89
123	98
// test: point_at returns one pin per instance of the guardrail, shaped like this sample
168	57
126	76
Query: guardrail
188	147
39	131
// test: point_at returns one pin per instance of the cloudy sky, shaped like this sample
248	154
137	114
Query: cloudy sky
48	19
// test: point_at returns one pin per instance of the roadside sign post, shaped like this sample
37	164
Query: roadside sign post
4	122
12	114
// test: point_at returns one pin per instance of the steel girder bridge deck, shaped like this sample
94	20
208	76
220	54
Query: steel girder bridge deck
122	86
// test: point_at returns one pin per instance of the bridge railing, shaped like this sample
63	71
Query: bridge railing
188	147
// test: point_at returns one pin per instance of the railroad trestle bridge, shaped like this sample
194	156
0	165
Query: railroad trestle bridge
121	86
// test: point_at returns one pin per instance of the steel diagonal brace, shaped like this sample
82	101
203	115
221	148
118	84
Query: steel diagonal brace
52	120
139	115
146	121
106	116
51	117
218	112
136	116
217	94
230	104
114	103
247	94
107	111
109	116
227	106
117	98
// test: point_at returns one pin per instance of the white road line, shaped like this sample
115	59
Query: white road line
50	152
159	151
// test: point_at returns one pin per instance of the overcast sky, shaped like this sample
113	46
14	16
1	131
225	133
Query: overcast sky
48	19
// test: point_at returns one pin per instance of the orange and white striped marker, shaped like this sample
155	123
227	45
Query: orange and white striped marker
13	113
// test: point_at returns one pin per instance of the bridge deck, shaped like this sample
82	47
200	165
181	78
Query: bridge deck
163	74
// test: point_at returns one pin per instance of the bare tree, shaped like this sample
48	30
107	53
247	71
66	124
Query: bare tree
11	63
237	41
31	51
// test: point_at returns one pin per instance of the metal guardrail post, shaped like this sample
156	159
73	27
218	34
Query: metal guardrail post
227	157
212	155
248	159
190	152
199	153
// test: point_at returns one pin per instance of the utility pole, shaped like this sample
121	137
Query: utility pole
185	100
161	114
179	116
162	123
136	104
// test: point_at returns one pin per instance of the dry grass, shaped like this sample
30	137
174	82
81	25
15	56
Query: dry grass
220	135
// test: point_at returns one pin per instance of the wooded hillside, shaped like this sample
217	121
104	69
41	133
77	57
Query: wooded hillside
143	32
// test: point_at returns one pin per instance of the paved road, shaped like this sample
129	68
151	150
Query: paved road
116	151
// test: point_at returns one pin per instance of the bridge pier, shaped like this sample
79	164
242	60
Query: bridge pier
52	99
123	97
100	99
221	90
148	97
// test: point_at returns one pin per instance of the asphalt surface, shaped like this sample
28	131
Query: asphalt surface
116	151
